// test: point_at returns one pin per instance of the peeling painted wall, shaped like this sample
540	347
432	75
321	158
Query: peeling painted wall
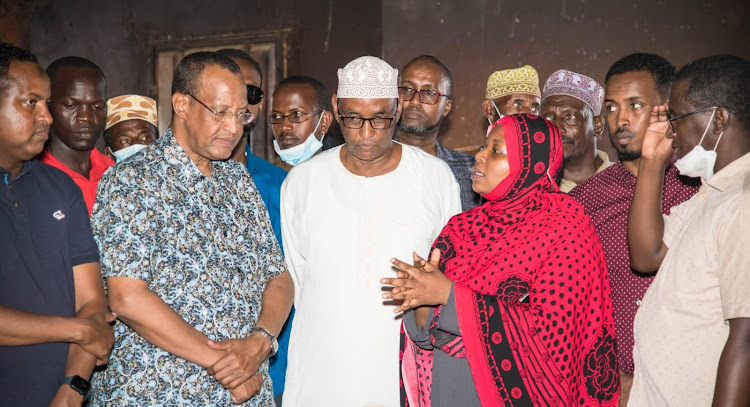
116	34
472	37
475	38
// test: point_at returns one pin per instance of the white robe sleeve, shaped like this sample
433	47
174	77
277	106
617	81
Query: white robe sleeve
289	234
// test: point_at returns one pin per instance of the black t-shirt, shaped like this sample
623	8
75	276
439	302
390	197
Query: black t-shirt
44	233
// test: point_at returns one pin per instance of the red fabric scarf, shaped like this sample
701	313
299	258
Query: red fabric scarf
531	288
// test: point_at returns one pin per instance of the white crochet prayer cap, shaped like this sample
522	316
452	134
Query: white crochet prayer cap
368	77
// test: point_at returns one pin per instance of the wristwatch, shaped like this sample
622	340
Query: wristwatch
78	383
271	338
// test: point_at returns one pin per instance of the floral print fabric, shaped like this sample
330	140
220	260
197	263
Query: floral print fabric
204	245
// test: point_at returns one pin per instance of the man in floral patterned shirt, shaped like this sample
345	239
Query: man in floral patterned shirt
192	267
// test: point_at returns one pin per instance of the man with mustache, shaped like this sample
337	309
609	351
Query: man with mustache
300	118
692	328
634	85
345	214
573	102
54	324
426	88
192	267
79	108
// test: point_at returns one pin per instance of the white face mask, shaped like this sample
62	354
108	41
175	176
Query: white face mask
699	162
122	154
500	115
302	152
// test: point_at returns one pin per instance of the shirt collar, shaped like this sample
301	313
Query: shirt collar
726	177
605	161
25	168
250	161
176	155
441	150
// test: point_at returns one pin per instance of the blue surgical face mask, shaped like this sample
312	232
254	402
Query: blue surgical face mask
302	152
499	115
122	154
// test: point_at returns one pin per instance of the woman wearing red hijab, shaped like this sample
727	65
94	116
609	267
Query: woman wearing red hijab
514	306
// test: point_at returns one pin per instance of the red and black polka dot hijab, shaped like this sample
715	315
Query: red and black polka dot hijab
535	156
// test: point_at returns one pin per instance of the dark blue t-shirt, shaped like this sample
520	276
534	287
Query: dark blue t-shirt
44	233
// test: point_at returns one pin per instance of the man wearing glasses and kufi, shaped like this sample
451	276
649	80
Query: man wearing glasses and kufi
344	214
426	88
193	270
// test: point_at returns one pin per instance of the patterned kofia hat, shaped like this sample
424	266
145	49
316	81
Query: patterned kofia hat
368	77
579	86
520	80
127	107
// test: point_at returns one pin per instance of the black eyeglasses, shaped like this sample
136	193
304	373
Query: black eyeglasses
426	96
296	116
377	123
254	95
672	119
242	118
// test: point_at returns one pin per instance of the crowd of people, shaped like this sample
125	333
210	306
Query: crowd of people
180	269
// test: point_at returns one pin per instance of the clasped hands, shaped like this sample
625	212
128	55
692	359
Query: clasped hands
237	371
421	284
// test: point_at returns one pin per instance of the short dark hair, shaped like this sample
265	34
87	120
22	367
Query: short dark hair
447	77
660	69
191	67
322	97
239	54
721	80
73	62
8	54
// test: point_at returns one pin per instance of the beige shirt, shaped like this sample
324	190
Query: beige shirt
566	185
704	281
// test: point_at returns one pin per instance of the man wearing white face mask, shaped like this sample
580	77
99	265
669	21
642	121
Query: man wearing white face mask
131	125
512	91
693	325
300	118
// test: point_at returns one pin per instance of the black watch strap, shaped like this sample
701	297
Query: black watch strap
78	383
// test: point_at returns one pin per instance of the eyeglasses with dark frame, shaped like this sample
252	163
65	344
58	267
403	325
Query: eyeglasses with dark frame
377	123
224	116
426	96
672	119
254	95
296	116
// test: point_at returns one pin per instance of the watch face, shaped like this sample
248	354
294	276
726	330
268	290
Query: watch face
80	385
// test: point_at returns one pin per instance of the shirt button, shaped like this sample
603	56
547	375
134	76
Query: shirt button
15	204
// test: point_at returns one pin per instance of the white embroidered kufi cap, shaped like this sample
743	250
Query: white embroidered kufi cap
368	77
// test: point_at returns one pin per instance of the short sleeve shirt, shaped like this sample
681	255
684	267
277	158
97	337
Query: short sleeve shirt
681	327
44	233
205	245
100	163
606	197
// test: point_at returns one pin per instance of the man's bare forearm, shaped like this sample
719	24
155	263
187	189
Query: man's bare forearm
733	376
645	221
278	298
19	328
